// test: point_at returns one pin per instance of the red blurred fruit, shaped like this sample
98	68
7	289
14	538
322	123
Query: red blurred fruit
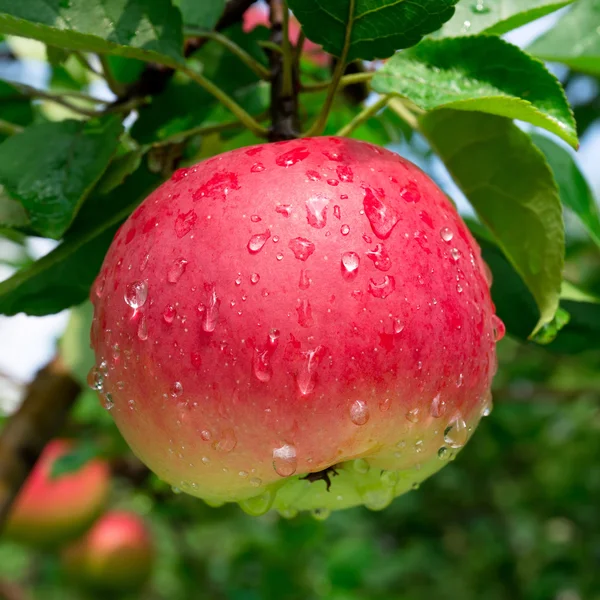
48	510
289	308
258	14
116	554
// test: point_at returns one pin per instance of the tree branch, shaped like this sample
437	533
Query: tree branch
284	102
48	401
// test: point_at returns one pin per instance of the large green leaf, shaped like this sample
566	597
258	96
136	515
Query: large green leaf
202	14
50	168
574	40
497	16
376	28
510	185
482	73
14	106
574	189
148	30
63	277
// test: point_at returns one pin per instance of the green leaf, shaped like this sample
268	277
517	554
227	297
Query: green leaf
497	16
574	40
12	213
14	106
184	105
201	14
119	169
75	459
508	182
150	31
75	347
482	73
50	168
376	28
63	277
574	190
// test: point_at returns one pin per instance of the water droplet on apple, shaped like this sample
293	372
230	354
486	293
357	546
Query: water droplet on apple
290	158
443	453
227	442
257	167
254	278
382	218
359	412
345	229
380	257
210	315
446	234
255	218
301	247
382	289
258	505
284	209
169	313
498	327
349	264
389	478
304	282
316	211
455	253
142	329
176	390
337	213
438	406
136	294
285	460
413	415
176	270
257	241
304	310
457	433
306	378
360	465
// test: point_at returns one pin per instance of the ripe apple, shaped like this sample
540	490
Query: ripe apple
116	554
50	510
258	14
304	325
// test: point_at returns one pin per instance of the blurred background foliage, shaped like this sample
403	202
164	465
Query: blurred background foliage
514	516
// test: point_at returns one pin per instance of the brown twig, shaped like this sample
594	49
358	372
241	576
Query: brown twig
285	123
49	398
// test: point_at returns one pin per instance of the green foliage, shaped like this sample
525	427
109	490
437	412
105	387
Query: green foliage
497	16
484	74
509	184
575	40
373	29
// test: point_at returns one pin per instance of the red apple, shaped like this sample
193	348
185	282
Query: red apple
50	510
258	14
116	554
289	309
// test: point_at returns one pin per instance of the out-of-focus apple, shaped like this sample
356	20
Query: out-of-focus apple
50	510
116	554
303	325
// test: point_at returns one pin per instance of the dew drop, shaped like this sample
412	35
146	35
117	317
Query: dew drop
136	294
284	209
479	8
142	330
255	218
306	379
227	442
438	406
333	182
345	229
410	193
337	213
256	482
389	478
360	465
446	234
256	242
384	405
457	433
257	167
301	247
304	281
206	435
381	217
413	415
398	326
285	460
287	159
344	173
95	379
304	310
176	270
455	253
382	289
210	315
258	505
498	327
443	453
380	257
359	412
349	264
238	279
316	211
169	313
176	390
254	278
378	498
320	514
